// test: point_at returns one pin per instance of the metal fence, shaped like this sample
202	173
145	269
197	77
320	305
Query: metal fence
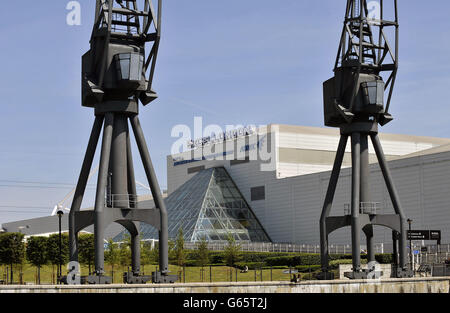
229	274
441	252
286	247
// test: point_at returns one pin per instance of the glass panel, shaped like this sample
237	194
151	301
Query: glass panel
134	68
125	68
200	209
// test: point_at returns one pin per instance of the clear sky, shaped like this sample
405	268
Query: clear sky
230	62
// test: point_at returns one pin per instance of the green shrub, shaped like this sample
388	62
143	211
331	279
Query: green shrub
250	265
282	261
190	263
341	257
260	256
334	264
307	268
217	258
310	259
384	258
294	260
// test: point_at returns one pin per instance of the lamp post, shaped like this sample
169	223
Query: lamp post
21	273
60	214
410	244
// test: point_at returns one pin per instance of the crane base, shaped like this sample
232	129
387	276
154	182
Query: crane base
163	278
135	279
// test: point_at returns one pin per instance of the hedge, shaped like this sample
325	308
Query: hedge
335	263
271	259
314	259
248	257
307	268
250	265
296	260
385	258
260	256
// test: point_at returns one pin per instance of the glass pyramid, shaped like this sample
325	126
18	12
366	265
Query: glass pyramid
209	205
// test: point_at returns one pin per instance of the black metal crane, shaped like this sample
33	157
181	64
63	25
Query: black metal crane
117	74
365	70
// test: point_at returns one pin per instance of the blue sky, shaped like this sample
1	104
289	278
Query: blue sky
231	62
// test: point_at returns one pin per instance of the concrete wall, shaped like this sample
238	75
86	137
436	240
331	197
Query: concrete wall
386	270
412	285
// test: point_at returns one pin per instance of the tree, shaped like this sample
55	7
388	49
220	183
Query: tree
155	254
232	251
86	250
112	255
202	253
37	253
171	247
12	250
180	256
53	250
125	252
146	254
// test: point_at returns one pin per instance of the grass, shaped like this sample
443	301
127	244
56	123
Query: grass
192	274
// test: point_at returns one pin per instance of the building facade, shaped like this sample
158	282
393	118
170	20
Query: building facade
285	184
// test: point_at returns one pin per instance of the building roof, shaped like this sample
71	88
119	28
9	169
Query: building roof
44	226
434	150
335	132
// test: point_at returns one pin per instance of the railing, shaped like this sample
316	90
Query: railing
121	201
284	247
430	256
370	208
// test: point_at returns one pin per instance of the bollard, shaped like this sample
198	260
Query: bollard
210	274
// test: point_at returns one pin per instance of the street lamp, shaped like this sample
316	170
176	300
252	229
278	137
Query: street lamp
60	214
410	243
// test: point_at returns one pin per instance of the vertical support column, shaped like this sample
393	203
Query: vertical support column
394	248
365	193
135	239
156	192
394	198
131	177
119	163
99	215
356	185
136	251
329	201
81	186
